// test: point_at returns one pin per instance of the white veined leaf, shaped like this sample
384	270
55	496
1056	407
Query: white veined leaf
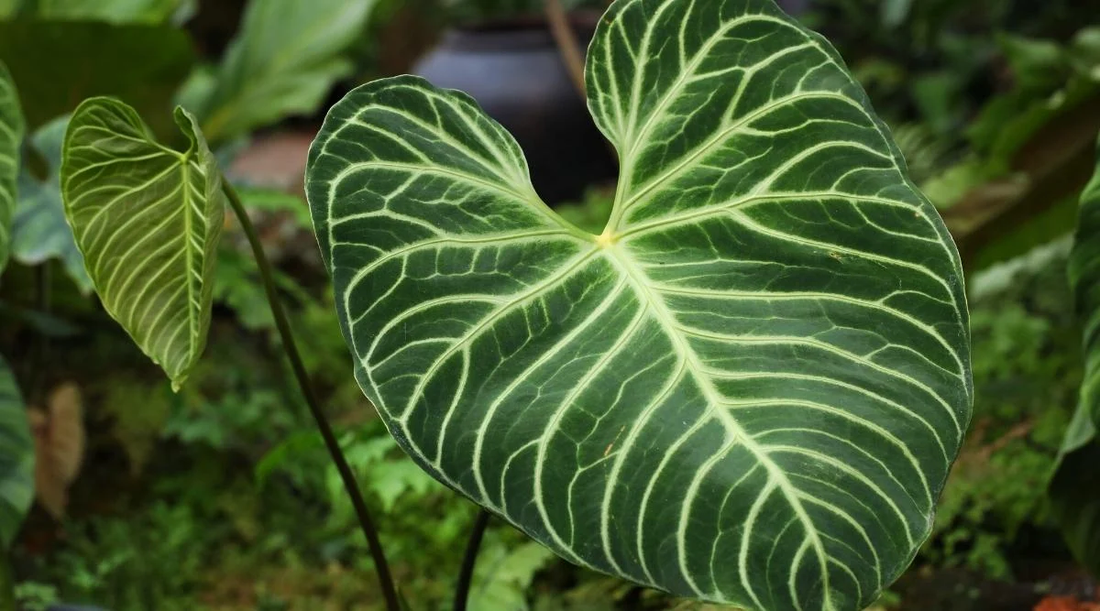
11	138
16	459
147	219
749	388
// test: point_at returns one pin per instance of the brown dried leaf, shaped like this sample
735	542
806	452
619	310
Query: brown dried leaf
59	447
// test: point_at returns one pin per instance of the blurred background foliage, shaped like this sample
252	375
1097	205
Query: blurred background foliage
221	497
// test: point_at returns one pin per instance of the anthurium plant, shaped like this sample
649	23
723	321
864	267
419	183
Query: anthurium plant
748	388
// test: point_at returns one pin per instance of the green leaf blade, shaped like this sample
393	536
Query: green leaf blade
11	137
748	389
39	229
147	220
283	62
1075	484
16	458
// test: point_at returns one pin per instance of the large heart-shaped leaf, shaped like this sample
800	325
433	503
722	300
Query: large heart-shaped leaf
147	219
1075	488
39	231
16	458
749	388
11	137
283	62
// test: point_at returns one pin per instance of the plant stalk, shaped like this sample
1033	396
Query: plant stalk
466	575
568	45
385	579
43	302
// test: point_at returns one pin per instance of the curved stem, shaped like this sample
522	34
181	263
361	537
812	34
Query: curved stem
43	304
466	575
381	566
567	43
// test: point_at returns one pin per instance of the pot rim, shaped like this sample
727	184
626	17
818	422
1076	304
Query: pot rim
515	33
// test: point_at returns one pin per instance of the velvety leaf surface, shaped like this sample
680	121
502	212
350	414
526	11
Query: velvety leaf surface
1075	489
284	60
749	388
16	458
40	231
11	138
147	219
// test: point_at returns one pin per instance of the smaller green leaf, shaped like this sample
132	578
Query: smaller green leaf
147	219
1075	488
286	57
11	134
16	458
39	231
504	573
1037	64
895	12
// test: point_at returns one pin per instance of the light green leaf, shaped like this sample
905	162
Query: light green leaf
504	573
1075	488
16	459
286	57
11	138
8	8
116	11
748	389
1036	64
40	232
147	219
895	12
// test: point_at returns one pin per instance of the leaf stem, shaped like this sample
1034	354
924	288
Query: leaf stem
43	303
385	579
568	45
466	575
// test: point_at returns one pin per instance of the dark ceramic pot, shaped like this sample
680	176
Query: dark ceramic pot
515	72
794	7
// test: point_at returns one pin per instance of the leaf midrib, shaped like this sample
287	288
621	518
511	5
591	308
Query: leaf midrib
624	262
192	317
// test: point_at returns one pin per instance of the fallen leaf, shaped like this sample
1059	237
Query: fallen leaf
58	447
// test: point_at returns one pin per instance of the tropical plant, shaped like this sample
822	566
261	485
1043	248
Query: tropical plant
748	388
157	56
16	451
11	136
283	62
1075	488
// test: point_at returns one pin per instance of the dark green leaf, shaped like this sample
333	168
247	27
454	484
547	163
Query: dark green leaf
1075	489
57	64
11	138
1037	64
16	459
749	388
